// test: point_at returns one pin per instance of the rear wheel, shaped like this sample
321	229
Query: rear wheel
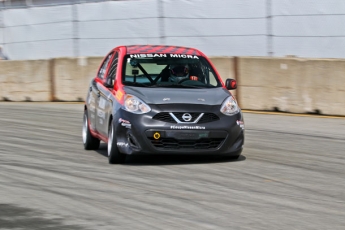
89	141
114	155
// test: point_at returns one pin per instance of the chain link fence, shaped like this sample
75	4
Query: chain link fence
29	29
15	4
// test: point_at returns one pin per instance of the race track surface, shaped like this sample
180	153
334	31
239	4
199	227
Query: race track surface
291	176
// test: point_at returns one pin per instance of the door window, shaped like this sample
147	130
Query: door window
103	69
113	69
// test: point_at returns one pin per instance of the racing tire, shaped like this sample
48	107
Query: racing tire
90	142
236	156
114	155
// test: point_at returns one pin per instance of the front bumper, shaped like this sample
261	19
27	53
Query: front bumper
140	134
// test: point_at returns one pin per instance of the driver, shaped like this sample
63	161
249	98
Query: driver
178	72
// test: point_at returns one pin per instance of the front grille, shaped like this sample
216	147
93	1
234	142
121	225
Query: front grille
171	143
179	116
208	117
166	117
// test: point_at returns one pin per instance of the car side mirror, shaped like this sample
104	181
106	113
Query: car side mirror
108	83
230	84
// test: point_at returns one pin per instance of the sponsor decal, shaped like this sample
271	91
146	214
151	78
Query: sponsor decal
201	135
125	123
184	56
241	124
147	55
128	126
119	95
92	108
91	99
186	127
164	55
101	114
122	144
101	103
194	135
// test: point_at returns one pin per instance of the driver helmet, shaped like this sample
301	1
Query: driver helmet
179	72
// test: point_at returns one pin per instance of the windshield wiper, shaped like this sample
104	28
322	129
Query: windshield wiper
134	84
174	85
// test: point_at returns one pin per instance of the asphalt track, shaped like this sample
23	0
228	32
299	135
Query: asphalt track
291	176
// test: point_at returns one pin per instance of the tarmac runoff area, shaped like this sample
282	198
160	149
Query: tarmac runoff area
290	176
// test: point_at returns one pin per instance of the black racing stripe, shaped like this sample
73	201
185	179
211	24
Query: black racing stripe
174	49
183	51
192	52
156	49
189	51
136	49
145	49
195	52
162	49
132	49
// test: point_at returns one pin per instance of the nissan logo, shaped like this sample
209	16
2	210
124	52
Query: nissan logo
187	117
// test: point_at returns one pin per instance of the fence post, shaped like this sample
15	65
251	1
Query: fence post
160	8
75	30
269	27
238	80
2	21
52	78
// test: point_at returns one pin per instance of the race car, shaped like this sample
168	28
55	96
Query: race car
156	99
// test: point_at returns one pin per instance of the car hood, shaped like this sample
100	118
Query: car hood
210	96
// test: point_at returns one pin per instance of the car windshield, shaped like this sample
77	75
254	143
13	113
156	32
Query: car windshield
168	70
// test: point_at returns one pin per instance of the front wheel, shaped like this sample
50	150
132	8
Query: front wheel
114	155
90	142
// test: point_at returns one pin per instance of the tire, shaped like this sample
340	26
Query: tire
114	155
234	157
90	142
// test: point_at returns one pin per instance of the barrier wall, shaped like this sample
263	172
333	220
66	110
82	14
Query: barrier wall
273	84
25	80
293	85
72	77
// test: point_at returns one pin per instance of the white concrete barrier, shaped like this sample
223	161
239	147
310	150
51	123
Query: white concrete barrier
72	77
293	85
25	80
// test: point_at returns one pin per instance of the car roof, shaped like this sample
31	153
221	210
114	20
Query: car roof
139	49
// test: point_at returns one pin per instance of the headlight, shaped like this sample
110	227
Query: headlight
229	106
135	105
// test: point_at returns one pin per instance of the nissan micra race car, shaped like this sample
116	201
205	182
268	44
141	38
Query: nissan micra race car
148	99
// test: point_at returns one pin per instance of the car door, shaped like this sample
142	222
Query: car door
105	100
92	104
97	91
